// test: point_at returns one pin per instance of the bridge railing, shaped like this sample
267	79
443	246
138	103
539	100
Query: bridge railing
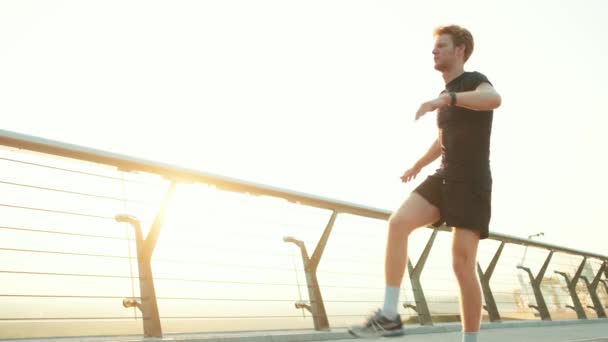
81	252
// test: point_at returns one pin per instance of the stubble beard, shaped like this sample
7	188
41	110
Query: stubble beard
441	67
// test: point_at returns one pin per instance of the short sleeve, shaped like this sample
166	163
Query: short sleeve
475	79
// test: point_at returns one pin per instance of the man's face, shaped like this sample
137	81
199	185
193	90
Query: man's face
445	54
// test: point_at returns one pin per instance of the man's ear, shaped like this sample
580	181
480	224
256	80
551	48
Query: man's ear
460	50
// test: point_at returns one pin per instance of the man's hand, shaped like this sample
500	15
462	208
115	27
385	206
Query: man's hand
430	106
410	174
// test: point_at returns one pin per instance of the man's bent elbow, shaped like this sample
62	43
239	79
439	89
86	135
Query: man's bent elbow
496	101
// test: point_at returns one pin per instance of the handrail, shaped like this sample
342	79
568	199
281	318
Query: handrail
181	174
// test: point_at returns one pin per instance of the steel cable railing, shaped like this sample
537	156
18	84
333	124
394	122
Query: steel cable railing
160	279
222	258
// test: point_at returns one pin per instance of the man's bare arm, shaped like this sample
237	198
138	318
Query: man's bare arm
483	98
431	154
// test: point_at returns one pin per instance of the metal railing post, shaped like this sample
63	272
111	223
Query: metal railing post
592	288
605	281
421	307
541	305
484	278
316	306
577	306
148	305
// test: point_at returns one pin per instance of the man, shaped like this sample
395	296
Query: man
458	194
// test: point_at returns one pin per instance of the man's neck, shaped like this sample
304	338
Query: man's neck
451	74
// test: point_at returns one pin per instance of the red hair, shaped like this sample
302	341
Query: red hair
460	36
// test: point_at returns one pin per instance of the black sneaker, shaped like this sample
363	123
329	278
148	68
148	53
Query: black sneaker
377	325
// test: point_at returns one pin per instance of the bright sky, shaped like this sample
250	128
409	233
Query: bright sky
319	96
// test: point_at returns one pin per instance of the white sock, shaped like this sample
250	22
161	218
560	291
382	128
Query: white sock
391	300
469	337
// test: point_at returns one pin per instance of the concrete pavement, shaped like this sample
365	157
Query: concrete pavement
518	331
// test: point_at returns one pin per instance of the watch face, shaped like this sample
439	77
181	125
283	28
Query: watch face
453	96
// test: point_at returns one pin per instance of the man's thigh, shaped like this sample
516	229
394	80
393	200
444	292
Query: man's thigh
416	212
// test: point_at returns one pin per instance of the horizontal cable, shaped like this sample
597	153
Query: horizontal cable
61	296
189	262
264	221
227	299
212	281
64	233
348	287
171	261
443	314
260	300
322	272
511	303
455	301
352	261
350	315
253	266
503	293
68	274
64	253
263	283
64	318
76	193
243	234
427	289
281	231
183	244
55	211
329	300
222	281
191	298
74	171
229	317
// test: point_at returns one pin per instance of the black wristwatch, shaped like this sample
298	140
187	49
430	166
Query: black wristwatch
453	97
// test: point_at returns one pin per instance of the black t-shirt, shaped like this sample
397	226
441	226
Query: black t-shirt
465	136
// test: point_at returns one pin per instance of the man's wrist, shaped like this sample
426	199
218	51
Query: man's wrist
446	99
452	98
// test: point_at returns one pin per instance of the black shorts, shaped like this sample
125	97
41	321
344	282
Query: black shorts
461	204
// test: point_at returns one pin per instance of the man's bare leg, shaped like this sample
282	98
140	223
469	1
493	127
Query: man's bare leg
464	255
415	212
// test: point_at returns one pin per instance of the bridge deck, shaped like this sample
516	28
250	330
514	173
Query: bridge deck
536	331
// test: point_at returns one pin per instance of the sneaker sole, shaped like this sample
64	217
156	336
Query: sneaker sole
386	334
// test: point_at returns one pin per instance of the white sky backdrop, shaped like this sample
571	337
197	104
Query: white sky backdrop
319	96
